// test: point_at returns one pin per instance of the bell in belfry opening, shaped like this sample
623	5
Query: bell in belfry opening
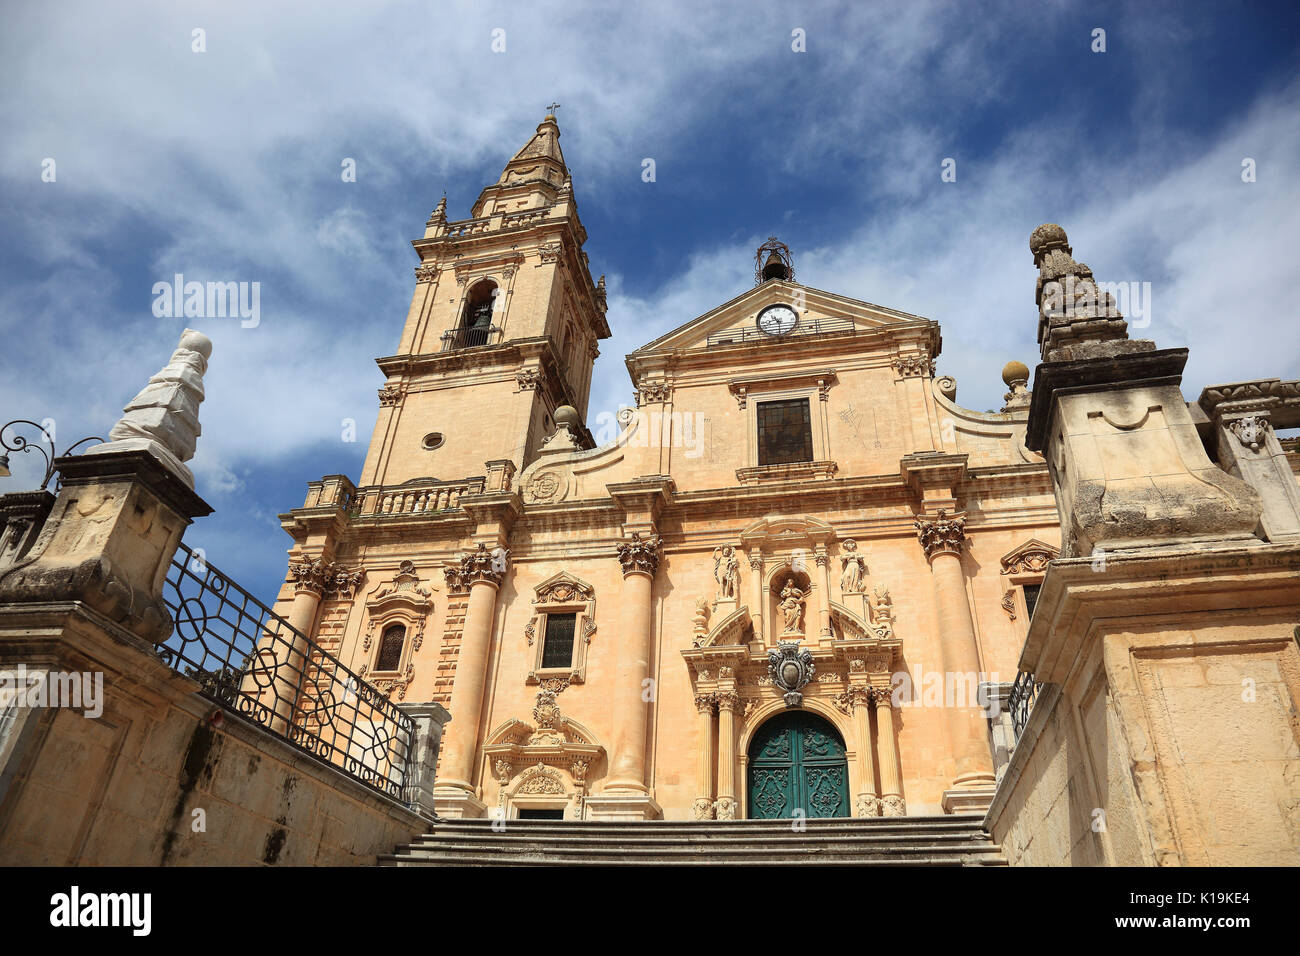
777	264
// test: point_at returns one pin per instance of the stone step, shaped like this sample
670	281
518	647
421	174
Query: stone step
986	855
913	841
784	840
909	825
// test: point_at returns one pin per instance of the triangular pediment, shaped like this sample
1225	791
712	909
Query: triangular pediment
734	322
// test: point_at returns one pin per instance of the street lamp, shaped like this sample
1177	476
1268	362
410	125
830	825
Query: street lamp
19	443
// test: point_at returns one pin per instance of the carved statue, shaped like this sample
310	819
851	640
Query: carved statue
726	571
854	568
793	600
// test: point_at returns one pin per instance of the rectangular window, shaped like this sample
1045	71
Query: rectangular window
557	649
784	432
1031	597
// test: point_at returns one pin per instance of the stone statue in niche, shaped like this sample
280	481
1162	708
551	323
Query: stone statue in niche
855	568
793	601
726	571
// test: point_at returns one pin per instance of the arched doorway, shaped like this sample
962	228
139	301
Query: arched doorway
796	762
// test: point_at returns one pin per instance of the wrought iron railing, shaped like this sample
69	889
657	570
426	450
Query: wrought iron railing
1024	691
804	327
467	338
254	663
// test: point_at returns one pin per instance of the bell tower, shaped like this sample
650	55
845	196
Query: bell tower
502	330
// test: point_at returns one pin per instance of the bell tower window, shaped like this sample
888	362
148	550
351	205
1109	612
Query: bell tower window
476	324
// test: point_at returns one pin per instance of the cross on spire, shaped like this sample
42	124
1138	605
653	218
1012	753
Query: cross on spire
553	107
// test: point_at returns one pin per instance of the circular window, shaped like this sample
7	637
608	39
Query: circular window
433	440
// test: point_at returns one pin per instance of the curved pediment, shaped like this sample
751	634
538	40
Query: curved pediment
776	531
734	629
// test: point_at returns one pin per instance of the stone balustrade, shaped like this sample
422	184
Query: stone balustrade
415	499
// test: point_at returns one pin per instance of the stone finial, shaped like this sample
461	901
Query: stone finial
602	299
164	418
1076	318
1015	375
567	434
440	211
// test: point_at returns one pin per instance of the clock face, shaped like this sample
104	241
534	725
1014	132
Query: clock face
777	320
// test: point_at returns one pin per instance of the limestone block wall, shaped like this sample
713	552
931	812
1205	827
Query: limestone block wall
122	789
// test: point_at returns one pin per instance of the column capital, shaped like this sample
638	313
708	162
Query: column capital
728	702
480	566
857	697
706	703
941	534
640	555
320	577
883	696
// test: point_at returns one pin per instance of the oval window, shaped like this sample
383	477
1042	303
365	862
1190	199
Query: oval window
433	440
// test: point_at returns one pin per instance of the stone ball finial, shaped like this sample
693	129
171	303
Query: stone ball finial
568	415
1048	234
196	341
1014	372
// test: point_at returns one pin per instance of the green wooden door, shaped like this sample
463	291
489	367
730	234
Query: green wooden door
796	762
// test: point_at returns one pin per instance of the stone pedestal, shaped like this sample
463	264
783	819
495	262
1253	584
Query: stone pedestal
430	718
1169	735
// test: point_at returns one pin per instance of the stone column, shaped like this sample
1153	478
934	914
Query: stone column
726	805
290	650
758	597
639	558
704	705
483	571
867	803
824	580
891	778
942	538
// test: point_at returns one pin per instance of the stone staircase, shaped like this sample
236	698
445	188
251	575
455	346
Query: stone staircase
955	840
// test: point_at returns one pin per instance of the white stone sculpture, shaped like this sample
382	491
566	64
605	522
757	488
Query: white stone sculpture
164	418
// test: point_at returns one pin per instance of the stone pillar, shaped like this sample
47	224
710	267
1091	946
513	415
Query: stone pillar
640	560
430	718
704	705
726	805
483	571
824	582
1164	636
891	778
1244	416
867	803
942	538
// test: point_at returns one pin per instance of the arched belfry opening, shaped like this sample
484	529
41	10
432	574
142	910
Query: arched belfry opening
773	261
480	303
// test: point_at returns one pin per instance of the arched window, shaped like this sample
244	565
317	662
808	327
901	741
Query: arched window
476	325
390	648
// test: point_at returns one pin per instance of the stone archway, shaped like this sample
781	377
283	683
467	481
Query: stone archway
797	762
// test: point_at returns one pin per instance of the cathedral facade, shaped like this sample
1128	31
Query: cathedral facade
793	578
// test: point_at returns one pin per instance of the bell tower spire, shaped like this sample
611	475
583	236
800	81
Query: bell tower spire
502	329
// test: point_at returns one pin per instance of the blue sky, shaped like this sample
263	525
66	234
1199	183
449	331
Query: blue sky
226	165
